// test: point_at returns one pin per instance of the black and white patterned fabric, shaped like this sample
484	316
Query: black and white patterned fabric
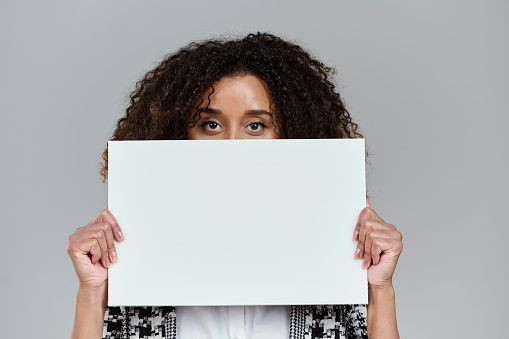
306	322
335	321
140	322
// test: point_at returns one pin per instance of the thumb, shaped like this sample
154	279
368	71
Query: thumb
367	203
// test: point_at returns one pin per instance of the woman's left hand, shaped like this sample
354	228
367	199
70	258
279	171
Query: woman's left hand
379	243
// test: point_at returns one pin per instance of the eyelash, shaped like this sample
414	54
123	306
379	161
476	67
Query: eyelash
205	123
259	123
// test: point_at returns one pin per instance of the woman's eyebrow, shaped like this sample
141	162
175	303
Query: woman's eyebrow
211	110
257	112
249	112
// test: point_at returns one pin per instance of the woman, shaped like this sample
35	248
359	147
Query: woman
259	86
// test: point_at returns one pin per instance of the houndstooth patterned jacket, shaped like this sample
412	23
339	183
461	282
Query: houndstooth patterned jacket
306	322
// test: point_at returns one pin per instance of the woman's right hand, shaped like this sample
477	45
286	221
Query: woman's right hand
92	250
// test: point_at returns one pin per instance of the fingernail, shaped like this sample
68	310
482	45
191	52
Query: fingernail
114	256
107	263
120	235
358	253
356	235
366	264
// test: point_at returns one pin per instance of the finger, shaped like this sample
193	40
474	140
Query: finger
361	239
79	246
357	226
106	216
366	226
110	243
385	246
371	224
105	253
98	234
370	236
371	229
95	251
366	214
375	215
376	251
80	230
371	251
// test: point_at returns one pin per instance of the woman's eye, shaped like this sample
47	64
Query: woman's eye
211	125
256	126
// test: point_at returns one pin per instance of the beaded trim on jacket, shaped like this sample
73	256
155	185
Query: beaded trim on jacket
306	322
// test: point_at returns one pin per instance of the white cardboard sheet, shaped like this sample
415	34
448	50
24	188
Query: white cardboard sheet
237	222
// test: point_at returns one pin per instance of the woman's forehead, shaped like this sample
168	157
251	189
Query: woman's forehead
238	91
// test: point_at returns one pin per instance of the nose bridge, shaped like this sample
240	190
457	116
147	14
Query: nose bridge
233	132
231	135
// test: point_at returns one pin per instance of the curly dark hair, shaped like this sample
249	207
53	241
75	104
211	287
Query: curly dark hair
164	103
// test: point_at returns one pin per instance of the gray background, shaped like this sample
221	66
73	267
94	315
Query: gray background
425	80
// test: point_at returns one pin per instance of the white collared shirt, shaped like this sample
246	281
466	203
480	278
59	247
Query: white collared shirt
233	322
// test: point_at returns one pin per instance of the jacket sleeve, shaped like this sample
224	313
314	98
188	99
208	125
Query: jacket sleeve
355	321
139	322
335	321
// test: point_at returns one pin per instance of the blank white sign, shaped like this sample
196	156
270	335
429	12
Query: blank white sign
237	222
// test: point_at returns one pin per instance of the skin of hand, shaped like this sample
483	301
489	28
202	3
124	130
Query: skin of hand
97	238
379	245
